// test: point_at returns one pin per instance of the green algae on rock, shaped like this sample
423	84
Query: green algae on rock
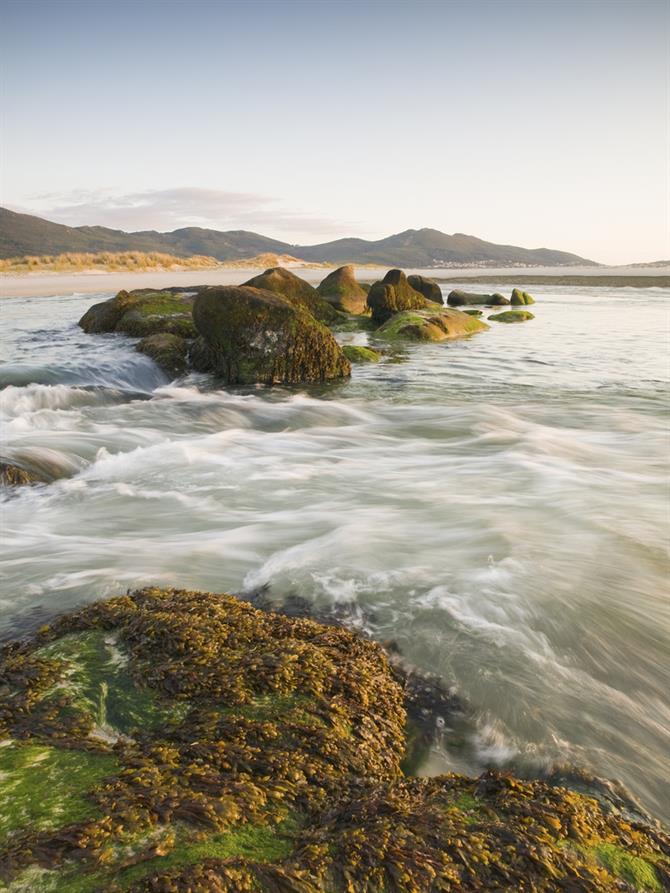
341	289
521	297
472	312
170	352
393	294
296	291
279	769
254	336
141	313
12	475
460	298
357	354
512	316
440	324
429	288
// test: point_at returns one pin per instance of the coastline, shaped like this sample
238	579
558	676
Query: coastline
48	284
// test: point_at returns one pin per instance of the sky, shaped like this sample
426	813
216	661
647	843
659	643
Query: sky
541	123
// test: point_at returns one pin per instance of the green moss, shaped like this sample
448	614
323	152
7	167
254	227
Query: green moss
356	354
439	324
521	297
512	316
44	787
632	869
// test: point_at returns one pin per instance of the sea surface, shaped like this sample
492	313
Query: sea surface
499	507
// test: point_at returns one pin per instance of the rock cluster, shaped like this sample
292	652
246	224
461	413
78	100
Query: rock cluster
341	289
190	743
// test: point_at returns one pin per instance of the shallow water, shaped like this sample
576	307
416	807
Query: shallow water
497	506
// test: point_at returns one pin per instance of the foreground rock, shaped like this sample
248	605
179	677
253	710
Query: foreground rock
458	298
189	742
439	324
15	476
521	297
357	354
393	294
170	352
427	287
512	316
249	335
143	312
341	289
296	291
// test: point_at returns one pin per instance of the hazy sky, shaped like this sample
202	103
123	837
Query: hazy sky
536	123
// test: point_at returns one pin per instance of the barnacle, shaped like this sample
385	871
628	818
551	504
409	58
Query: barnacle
195	743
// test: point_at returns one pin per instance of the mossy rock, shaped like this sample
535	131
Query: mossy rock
429	288
512	316
440	324
254	336
142	313
12	475
186	742
472	312
296	291
341	289
460	298
520	297
170	352
356	354
393	294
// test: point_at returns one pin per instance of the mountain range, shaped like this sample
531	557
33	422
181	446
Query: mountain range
25	234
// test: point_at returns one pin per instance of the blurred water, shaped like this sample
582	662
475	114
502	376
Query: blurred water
498	506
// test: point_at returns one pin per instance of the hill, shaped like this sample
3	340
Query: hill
25	234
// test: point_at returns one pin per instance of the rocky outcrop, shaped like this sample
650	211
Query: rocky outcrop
512	316
520	297
251	335
393	294
141	313
190	743
296	291
427	287
170	352
341	289
459	298
439	324
356	354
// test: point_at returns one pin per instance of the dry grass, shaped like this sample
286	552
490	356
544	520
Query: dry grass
106	261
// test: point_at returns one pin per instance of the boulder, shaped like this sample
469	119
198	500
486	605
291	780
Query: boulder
296	291
12	475
427	287
472	312
170	352
251	335
393	294
431	325
512	316
341	289
356	354
459	298
141	313
520	297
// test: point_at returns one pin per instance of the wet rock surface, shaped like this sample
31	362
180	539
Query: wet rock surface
393	294
341	289
296	291
191	742
460	298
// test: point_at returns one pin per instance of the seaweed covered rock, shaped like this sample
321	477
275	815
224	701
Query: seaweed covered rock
393	294
520	297
427	287
439	324
12	475
459	298
296	291
190	743
170	352
512	316
341	289
143	312
472	312
254	336
357	354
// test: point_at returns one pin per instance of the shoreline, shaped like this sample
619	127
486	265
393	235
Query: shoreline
49	284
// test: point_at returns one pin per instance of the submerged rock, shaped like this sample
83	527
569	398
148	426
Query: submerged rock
250	335
12	475
439	324
341	289
512	316
141	313
189	742
521	297
170	352
472	312
296	291
459	298
393	294
427	287
356	354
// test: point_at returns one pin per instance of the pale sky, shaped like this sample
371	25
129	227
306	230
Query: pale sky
541	123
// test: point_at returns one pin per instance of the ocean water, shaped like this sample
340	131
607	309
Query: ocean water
499	507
